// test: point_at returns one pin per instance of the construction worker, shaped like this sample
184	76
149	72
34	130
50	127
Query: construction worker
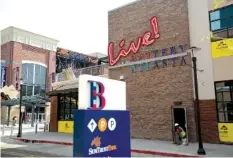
181	133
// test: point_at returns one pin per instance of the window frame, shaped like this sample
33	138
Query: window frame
62	109
216	101
3	76
33	84
227	29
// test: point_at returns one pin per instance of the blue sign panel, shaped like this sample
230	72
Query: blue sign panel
101	133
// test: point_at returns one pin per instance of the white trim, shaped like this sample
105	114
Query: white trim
33	62
3	61
150	60
29	38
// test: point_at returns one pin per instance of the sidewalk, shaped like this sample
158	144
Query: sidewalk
161	148
26	128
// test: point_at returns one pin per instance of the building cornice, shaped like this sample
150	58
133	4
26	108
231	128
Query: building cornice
18	35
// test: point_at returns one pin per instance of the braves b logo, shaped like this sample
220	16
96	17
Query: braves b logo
96	92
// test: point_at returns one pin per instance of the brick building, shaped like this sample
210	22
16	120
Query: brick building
143	37
29	56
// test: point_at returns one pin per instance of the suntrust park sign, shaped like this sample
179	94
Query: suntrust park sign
160	58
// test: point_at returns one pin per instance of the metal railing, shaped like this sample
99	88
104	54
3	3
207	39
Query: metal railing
69	74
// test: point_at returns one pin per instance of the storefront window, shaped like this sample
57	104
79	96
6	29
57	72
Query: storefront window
224	99
67	104
221	20
3	75
34	79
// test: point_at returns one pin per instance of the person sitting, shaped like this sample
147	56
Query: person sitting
181	133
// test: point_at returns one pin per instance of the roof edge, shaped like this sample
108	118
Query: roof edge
125	5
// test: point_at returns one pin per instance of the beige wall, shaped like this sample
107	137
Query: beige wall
199	28
223	68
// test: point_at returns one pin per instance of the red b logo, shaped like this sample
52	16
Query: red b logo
96	92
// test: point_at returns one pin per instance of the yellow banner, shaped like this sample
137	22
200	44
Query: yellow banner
222	48
65	126
225	132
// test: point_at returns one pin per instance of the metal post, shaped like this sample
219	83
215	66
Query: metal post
20	113
8	116
12	127
201	150
37	115
32	119
36	127
3	129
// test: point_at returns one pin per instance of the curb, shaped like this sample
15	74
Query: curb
158	153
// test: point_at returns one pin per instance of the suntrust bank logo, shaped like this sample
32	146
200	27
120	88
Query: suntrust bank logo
96	143
97	100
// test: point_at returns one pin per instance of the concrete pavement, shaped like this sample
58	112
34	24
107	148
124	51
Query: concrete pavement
12	148
161	148
13	130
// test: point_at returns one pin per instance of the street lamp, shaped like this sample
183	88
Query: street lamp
201	150
20	106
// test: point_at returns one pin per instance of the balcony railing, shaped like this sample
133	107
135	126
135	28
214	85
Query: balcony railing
70	74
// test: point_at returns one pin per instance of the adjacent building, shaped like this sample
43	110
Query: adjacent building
64	93
31	57
149	48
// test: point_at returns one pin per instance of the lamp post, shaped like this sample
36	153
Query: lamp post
20	113
201	150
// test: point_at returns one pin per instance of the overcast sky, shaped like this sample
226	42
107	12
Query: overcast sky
79	25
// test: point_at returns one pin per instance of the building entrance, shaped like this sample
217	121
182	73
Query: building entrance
179	115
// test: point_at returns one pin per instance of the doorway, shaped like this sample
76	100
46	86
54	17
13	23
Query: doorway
179	115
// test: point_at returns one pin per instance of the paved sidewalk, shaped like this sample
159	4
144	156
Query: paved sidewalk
26	128
54	149
162	148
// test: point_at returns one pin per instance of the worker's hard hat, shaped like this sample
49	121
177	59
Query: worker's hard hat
176	124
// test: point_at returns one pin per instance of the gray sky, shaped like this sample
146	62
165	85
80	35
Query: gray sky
79	25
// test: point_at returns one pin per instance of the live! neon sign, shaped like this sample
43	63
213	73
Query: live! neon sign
146	39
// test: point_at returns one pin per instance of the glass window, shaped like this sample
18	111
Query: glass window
24	72
35	76
224	99
29	90
36	90
228	11
24	90
230	22
215	25
67	104
30	73
43	75
222	20
3	75
214	15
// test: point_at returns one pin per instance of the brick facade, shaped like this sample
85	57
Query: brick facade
150	94
16	52
53	115
209	125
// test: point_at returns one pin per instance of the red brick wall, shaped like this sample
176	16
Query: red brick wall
6	54
150	94
17	52
208	118
53	115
